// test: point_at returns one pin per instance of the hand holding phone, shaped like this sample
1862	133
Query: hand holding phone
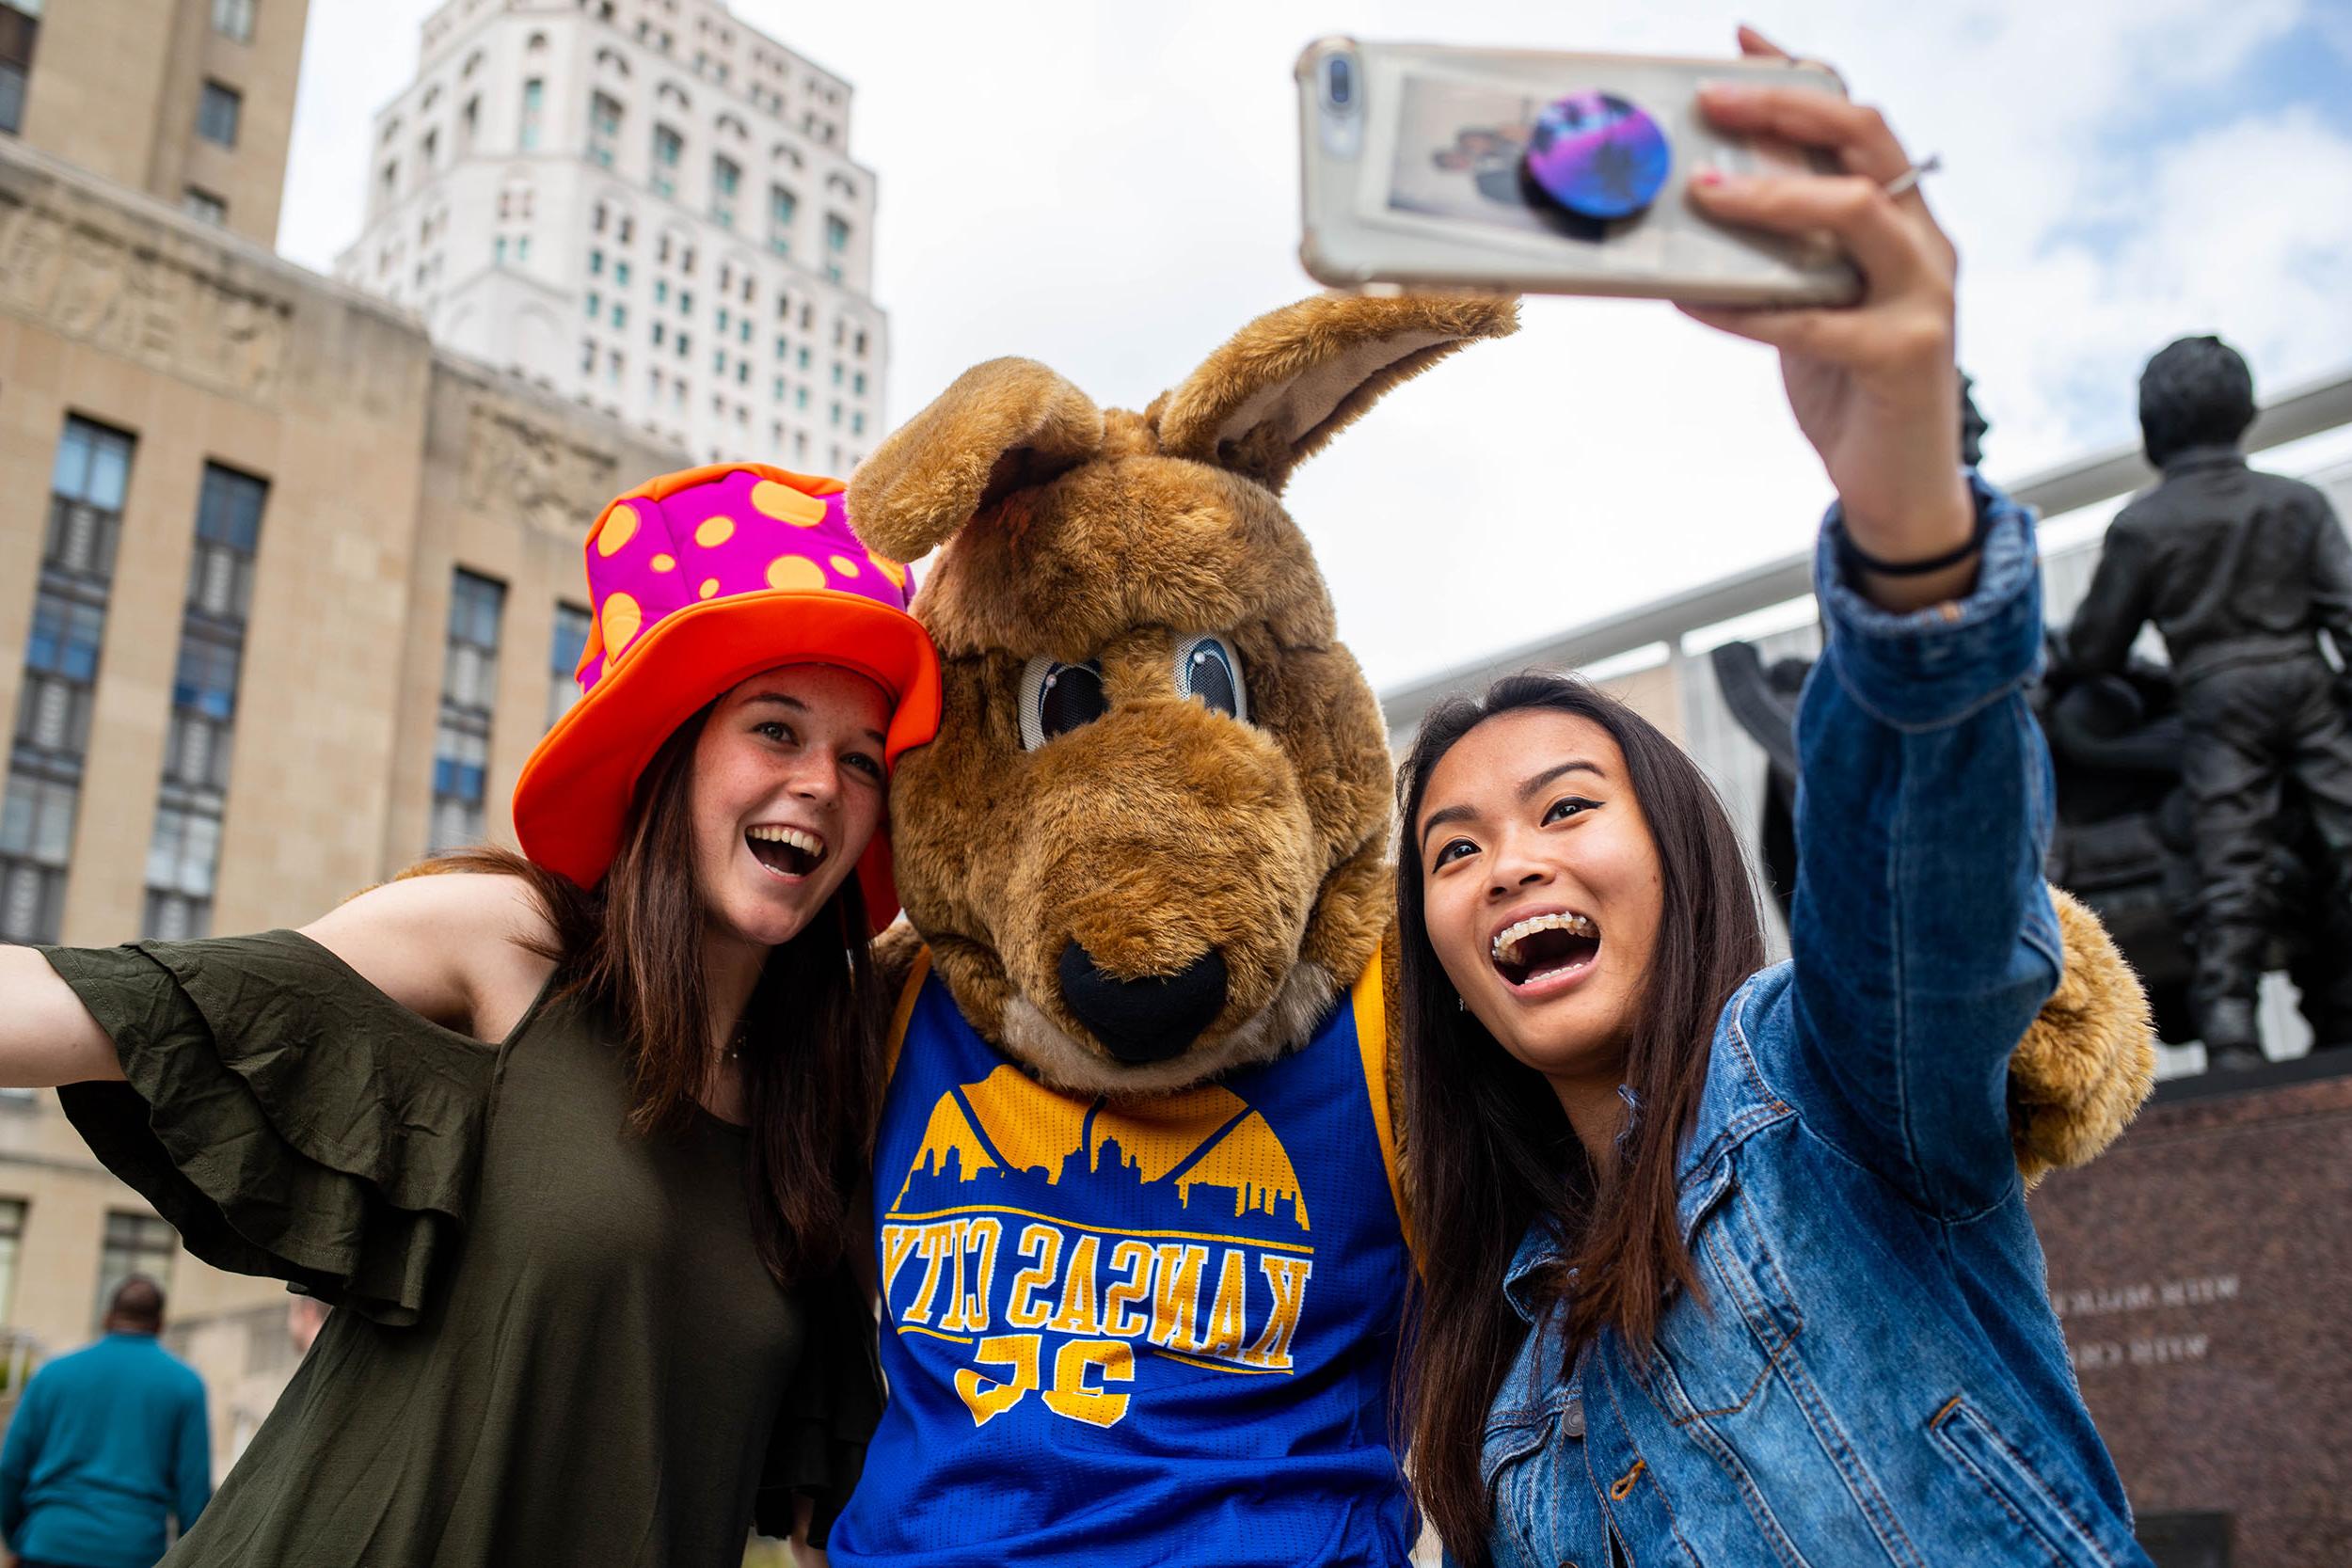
1873	385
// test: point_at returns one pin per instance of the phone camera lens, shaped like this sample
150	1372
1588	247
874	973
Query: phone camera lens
1340	82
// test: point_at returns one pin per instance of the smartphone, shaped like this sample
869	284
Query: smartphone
1416	174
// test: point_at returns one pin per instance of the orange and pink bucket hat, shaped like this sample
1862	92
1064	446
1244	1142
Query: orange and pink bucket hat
700	580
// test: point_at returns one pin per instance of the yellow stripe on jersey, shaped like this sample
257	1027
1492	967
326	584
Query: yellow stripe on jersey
904	1013
1371	1039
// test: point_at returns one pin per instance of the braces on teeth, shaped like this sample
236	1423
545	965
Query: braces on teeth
1507	941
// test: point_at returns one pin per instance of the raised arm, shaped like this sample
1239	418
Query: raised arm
1923	937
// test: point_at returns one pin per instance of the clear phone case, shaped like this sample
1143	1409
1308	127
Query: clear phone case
1413	177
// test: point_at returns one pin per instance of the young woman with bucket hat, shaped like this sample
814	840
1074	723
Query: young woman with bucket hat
567	1141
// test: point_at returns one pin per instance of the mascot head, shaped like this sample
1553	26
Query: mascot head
1150	842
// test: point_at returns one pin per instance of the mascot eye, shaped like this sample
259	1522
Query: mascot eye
1209	671
1057	698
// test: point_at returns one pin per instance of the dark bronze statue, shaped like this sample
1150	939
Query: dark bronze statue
2241	572
2203	811
2123	839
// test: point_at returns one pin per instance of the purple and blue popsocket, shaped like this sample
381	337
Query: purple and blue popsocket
1598	156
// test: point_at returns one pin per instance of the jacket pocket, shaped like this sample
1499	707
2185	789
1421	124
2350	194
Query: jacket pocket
2041	1515
1713	1356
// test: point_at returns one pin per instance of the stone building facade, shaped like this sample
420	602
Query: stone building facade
642	204
246	505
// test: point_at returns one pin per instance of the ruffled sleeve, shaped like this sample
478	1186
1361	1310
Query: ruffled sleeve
827	1416
287	1118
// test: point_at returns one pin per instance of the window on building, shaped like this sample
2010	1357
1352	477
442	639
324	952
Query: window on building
668	148
726	176
661	290
686	302
657	334
216	112
233	20
722	320
858	384
535	108
837	372
497	251
620	315
604	127
133	1244
184	854
50	741
857	422
800	359
523	248
429	149
571	641
783	207
11	96
203	206
388	181
742	372
836	413
11	1246
470	124
629	229
461	753
861	343
596	263
595	305
800	397
836	245
620	274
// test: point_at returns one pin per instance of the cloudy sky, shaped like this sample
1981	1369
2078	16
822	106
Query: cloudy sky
1113	189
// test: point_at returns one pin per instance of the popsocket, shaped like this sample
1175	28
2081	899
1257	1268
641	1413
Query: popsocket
1598	156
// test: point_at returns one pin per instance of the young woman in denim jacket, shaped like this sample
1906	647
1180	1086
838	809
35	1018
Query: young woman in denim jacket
1728	1264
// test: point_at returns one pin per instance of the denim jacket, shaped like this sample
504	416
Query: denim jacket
1873	1375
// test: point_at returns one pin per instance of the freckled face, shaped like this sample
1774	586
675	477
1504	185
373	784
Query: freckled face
787	792
1541	888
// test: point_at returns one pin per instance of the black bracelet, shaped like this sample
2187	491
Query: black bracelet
1854	558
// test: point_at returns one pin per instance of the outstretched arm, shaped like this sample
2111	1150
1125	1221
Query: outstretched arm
47	1038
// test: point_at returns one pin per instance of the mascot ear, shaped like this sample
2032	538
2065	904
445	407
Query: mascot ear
1003	426
1289	380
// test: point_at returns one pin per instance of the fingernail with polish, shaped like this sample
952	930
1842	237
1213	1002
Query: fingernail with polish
1710	176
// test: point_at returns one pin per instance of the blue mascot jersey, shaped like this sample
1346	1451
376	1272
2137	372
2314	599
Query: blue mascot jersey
1151	1333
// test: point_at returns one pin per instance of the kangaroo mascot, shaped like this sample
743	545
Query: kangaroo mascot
1141	1243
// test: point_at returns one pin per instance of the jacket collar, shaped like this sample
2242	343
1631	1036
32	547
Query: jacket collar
2219	454
1735	1105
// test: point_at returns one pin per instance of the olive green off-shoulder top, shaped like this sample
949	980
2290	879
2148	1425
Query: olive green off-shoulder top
553	1341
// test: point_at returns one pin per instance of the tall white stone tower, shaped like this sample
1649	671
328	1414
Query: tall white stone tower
642	204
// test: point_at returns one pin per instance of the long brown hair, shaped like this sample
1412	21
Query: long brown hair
1491	1151
812	1031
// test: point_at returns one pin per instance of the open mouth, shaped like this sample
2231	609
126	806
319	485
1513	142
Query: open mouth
1544	947
786	851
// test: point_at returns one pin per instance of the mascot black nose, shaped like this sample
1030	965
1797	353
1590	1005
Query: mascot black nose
1149	1019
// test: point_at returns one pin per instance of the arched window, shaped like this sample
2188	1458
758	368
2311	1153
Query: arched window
734	127
784	153
538	44
610	58
473	63
842	182
670	92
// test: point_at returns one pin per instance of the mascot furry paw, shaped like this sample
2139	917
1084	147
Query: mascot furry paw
1140	1238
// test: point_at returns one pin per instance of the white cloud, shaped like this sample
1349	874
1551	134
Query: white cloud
1113	190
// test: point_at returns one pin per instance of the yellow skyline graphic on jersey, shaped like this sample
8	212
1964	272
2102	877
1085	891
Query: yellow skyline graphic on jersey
1008	1123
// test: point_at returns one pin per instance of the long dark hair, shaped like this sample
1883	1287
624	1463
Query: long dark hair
1491	1150
812	1032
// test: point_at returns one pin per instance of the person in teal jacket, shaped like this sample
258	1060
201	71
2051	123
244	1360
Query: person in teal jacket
107	1444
